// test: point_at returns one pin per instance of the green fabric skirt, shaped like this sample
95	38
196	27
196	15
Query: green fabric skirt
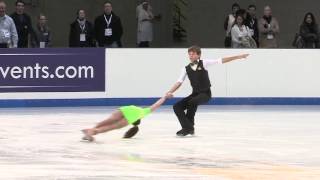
134	113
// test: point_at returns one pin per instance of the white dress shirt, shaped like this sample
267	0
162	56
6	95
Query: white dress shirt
206	64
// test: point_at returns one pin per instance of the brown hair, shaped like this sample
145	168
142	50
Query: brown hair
132	131
195	49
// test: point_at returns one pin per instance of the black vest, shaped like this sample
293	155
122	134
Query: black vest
199	78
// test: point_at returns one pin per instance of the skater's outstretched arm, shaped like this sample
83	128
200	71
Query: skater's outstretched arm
175	87
232	58
157	104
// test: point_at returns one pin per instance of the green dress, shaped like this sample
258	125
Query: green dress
134	113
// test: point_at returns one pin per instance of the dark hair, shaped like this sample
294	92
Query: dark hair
137	122
132	131
239	15
20	1
78	11
235	5
195	49
252	6
241	12
312	17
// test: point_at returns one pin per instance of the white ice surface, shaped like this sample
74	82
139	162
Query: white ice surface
231	142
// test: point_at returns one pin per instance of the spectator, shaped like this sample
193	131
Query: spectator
81	31
244	14
8	31
240	34
229	23
145	29
23	24
269	29
108	28
42	37
253	23
309	31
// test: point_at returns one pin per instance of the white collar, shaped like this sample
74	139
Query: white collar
3	17
192	63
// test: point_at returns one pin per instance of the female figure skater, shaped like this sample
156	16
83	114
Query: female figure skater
122	117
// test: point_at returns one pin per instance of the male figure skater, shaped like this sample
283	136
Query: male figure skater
200	82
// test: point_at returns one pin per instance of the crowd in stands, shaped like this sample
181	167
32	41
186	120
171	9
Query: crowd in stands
243	29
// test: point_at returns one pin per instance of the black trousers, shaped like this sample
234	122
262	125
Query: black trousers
227	42
23	43
186	109
144	44
3	45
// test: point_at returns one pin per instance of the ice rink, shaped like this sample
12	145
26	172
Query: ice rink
231	143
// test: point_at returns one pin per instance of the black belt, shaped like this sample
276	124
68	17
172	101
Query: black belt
4	45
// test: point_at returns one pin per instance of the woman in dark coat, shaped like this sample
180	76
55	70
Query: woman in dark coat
309	31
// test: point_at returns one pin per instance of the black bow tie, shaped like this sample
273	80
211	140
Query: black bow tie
194	63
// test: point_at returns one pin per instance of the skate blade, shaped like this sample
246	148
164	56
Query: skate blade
187	136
